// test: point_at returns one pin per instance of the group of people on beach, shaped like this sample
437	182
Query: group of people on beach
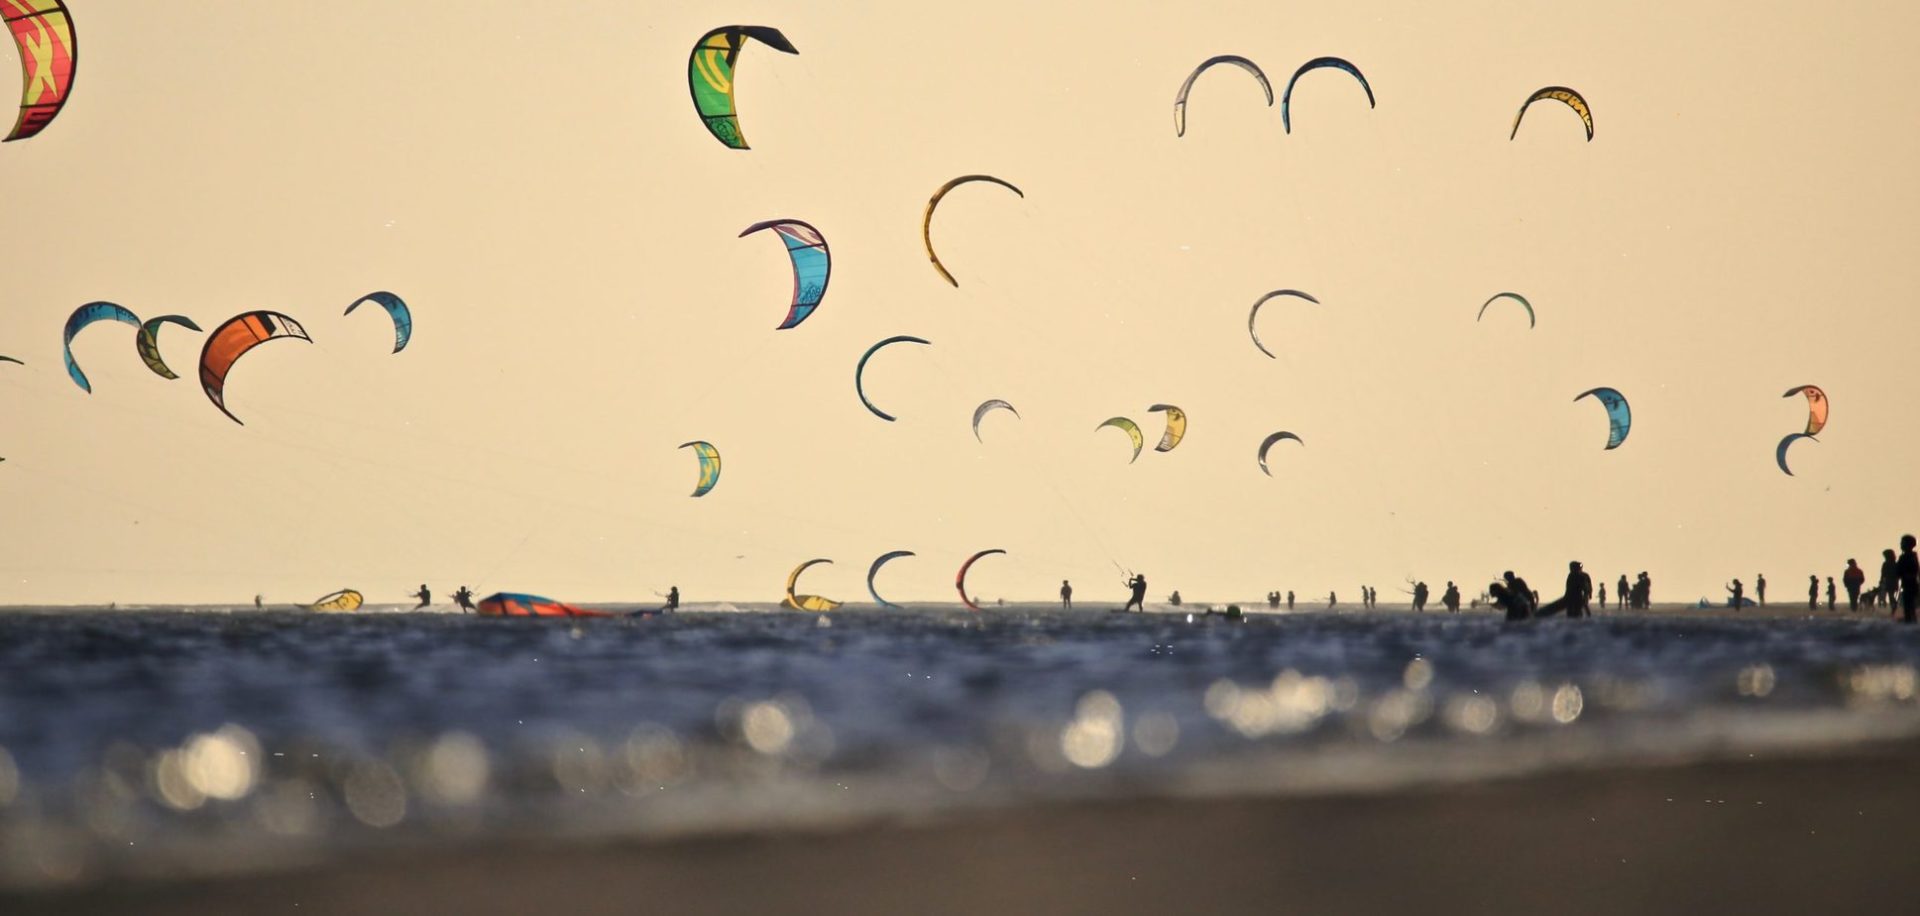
1898	588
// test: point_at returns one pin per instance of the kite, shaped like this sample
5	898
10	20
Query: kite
345	599
49	56
1286	98
397	310
874	570
513	604
859	372
1176	426
1816	407
1269	442
1619	415
78	321
1255	313
710	75
231	341
806	602
812	265
1132	430
926	220
1515	297
987	407
960	578
1180	99
1780	451
709	465
1573	100
9	359
148	343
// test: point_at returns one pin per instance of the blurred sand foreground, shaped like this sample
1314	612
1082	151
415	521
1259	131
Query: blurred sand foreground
1827	833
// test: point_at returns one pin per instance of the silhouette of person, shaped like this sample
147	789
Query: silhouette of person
1830	601
1174	599
1603	595
1580	586
1909	572
1760	588
1735	590
1889	578
1273	601
1510	600
1138	598
426	597
1646	591
1451	598
1853	578
1518	596
256	602
1813	593
673	599
463	598
1066	595
1289	600
1333	600
1420	597
1620	591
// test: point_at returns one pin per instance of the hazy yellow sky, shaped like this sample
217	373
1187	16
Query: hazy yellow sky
537	185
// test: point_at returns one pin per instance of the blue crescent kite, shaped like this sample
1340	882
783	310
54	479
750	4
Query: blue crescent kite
1619	415
397	310
874	570
812	265
709	465
1780	451
78	321
1286	98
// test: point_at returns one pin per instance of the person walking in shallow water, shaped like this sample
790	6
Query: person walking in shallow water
1909	572
426	597
1853	579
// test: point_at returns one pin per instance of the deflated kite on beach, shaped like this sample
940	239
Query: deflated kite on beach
514	604
795	602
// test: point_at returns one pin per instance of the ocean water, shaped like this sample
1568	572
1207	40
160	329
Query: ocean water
175	740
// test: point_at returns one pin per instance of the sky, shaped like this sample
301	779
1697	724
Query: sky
539	189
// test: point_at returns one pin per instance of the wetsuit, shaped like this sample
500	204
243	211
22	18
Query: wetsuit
1909	571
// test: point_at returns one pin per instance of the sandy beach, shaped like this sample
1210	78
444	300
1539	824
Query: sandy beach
1802	834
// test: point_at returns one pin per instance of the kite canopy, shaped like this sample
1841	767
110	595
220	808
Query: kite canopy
1132	430
1180	98
860	371
806	602
1515	297
926	219
960	578
1569	97
874	570
1255	313
49	55
78	321
396	310
1268	443
9	359
1619	415
709	465
232	340
345	599
148	342
1780	451
987	407
1176	426
514	604
710	75
1816	407
812	265
1318	63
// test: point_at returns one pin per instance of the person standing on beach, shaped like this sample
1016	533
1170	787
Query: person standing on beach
1734	590
1620	592
1760	588
1420	597
1853	578
1513	601
1889	578
1830	601
1813	593
1451	598
1273	601
1138	598
1289	600
1603	595
1066	595
426	597
1333	600
1583	595
1909	572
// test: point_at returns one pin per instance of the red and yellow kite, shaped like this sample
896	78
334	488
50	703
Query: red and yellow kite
48	56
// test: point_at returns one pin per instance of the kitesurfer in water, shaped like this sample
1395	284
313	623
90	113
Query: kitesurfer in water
1066	595
1420	597
1909	570
1333	600
463	597
1138	596
673	599
1853	578
426	597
